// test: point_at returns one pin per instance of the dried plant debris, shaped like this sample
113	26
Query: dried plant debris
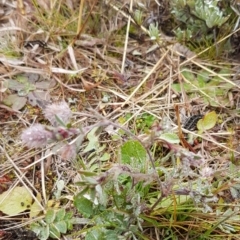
88	99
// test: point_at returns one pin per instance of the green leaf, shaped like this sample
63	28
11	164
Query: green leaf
134	154
61	226
222	72
188	74
35	227
50	216
68	215
44	234
170	138
177	87
69	224
111	234
54	232
84	206
86	173
105	157
93	140
207	122
202	78
168	202
60	215
15	201
94	235
22	79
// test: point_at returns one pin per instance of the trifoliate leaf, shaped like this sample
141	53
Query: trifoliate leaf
207	122
15	201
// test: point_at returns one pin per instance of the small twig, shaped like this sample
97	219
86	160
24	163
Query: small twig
43	182
180	133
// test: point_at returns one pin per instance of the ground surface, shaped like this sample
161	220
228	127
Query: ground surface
123	88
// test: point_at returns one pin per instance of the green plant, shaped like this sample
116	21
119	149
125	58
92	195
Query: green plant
144	122
198	22
212	89
138	17
29	86
210	13
114	200
154	31
112	203
55	223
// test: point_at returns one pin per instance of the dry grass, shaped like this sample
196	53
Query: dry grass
105	73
